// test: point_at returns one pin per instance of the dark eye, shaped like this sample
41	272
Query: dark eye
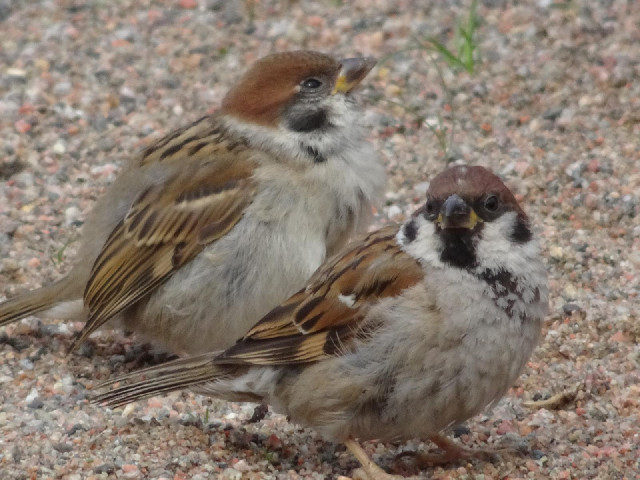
430	208
311	83
491	203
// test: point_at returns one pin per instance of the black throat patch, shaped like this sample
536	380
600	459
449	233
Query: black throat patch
459	249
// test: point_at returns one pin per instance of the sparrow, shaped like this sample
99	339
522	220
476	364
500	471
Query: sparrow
410	330
210	227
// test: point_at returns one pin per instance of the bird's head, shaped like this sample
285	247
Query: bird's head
468	214
297	90
299	101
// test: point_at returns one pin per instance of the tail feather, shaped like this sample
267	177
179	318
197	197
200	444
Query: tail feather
176	375
32	302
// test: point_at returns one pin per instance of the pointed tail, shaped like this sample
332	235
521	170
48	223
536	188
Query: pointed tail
176	375
33	302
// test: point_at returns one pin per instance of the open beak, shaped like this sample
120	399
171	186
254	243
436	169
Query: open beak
352	72
455	213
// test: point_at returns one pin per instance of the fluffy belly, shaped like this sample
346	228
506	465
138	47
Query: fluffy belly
211	302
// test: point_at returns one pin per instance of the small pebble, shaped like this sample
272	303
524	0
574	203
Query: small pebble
131	471
231	474
551	106
63	447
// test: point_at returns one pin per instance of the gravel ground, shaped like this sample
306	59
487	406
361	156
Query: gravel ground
554	107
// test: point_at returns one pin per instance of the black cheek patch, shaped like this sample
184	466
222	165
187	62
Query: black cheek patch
410	231
307	122
521	232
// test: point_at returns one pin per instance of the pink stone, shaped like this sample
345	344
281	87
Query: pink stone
504	427
22	126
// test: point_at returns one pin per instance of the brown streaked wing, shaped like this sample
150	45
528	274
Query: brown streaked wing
324	318
166	227
206	137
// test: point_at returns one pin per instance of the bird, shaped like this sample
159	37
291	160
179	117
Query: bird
210	227
410	330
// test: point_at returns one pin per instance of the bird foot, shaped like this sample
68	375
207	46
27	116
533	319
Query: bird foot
452	452
369	470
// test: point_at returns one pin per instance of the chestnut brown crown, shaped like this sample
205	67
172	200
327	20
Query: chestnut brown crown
274	81
475	185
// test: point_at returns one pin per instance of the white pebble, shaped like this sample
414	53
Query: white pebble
59	148
71	214
556	252
421	187
33	394
16	73
394	211
128	410
570	292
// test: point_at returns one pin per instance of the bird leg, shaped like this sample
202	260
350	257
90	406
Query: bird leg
370	469
452	453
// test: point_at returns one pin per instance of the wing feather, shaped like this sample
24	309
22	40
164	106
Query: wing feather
324	318
319	321
171	222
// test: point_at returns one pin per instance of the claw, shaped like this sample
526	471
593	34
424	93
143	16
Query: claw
452	452
369	470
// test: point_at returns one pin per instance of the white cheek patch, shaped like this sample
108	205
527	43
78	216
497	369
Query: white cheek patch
496	249
427	246
497	252
346	135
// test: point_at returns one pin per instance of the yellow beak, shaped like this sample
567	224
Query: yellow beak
352	72
456	213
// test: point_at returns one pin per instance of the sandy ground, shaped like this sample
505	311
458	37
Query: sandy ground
553	106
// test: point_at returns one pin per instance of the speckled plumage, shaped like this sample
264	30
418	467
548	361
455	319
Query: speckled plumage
211	226
391	339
